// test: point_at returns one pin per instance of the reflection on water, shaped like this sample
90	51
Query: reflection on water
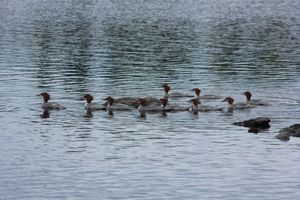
88	114
45	114
129	48
139	47
258	48
63	50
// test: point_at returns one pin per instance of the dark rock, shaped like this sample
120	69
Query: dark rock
285	133
284	136
255	125
254	130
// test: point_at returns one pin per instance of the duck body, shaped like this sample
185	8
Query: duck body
172	95
254	102
210	97
111	105
204	108
197	107
236	106
206	96
241	106
257	102
133	101
46	105
89	105
52	106
119	107
93	106
175	95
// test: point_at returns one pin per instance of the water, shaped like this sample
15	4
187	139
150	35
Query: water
128	48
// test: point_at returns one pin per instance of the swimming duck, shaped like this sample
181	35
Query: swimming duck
254	102
206	96
239	106
50	105
89	105
196	106
111	105
174	95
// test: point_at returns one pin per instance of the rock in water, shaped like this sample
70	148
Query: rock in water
285	133
255	125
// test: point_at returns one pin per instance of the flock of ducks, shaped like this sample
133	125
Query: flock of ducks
151	104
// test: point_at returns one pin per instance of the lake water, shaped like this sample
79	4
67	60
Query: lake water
129	48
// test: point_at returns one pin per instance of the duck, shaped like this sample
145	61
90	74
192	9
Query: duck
173	95
89	105
254	102
206	96
153	108
196	106
112	106
133	101
238	106
46	105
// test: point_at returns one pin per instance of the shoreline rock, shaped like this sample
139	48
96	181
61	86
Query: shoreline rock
286	133
255	125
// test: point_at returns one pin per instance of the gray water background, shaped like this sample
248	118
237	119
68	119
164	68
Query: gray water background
128	48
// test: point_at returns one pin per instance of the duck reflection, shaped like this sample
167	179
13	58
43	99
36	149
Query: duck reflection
45	114
88	114
163	113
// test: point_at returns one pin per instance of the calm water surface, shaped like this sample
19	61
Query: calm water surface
128	48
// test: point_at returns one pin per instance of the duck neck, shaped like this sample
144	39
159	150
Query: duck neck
166	95
140	108
195	107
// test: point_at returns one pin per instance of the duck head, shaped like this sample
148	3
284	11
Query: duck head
45	96
248	95
229	100
166	88
89	98
109	100
197	91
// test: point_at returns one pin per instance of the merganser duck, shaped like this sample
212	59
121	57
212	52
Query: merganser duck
133	101
167	88
254	102
196	106
50	105
230	104
206	96
111	105
89	105
130	101
152	108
